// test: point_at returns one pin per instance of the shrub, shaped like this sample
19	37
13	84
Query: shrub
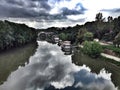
92	48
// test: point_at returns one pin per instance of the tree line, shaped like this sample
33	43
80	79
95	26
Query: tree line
101	29
13	34
106	30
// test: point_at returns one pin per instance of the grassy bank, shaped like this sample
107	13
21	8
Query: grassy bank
11	59
110	60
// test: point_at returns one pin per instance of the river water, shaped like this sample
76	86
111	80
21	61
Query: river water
50	69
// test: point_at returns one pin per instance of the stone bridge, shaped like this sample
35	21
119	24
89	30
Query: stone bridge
48	36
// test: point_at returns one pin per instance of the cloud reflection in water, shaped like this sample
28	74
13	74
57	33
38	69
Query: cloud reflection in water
50	69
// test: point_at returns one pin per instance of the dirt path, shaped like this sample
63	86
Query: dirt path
110	57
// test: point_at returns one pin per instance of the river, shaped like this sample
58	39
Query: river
50	69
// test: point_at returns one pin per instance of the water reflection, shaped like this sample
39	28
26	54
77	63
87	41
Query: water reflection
50	69
97	64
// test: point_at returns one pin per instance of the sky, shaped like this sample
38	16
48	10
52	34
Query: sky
57	13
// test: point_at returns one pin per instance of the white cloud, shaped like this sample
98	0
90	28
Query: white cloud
101	4
55	11
76	17
93	7
90	5
57	6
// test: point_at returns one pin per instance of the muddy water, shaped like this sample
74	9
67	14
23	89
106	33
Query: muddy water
11	59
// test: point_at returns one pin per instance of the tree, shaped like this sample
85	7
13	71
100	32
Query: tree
92	49
110	23
117	40
12	34
80	34
63	36
99	17
110	19
88	36
117	25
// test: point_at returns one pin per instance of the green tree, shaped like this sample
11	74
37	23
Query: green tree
92	49
110	23
63	36
80	34
88	36
117	25
12	34
117	40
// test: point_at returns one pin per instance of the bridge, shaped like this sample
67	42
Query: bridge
48	36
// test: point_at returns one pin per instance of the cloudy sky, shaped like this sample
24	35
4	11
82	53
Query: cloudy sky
59	13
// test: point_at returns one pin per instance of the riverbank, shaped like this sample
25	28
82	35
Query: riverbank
11	59
108	57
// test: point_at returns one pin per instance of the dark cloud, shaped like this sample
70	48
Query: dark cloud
41	13
34	8
20	8
115	10
6	11
66	11
15	2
